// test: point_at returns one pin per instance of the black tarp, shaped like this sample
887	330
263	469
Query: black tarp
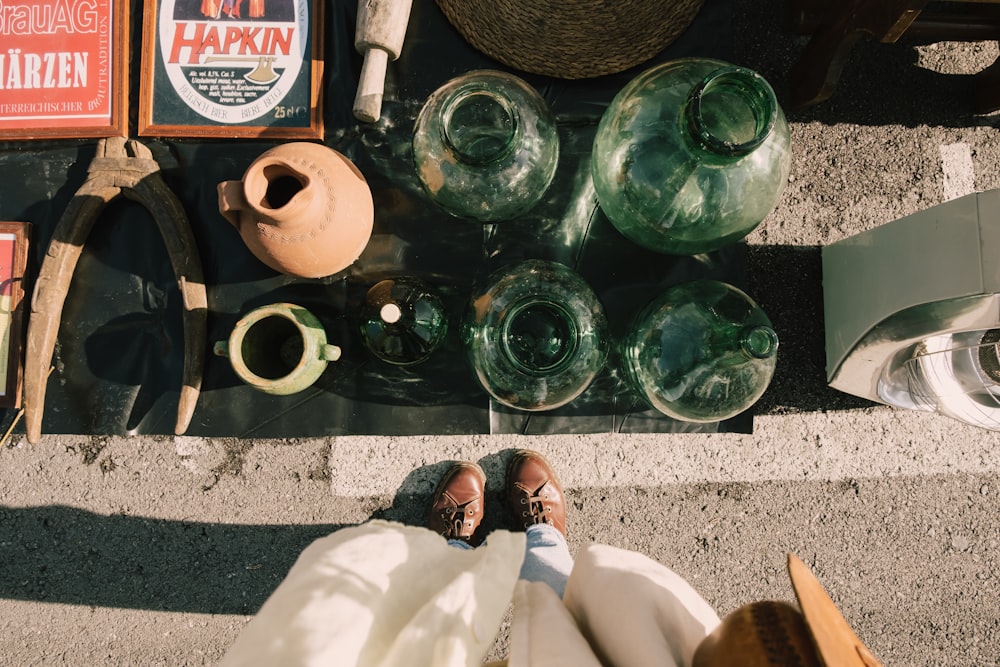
119	355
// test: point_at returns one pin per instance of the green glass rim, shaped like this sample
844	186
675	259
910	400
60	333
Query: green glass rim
451	130
755	92
568	351
759	341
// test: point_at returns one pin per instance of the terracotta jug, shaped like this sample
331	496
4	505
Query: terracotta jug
302	208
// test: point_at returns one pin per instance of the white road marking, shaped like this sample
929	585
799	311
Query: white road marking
874	442
958	169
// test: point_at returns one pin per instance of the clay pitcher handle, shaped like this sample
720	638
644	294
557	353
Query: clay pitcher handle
232	200
221	349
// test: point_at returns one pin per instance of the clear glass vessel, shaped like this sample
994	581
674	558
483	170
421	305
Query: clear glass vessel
536	336
403	320
956	374
701	351
485	146
691	155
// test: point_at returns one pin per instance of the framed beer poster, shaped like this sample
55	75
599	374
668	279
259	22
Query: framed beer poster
63	69
232	68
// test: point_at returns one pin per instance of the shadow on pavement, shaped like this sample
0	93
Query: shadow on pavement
881	84
787	282
66	555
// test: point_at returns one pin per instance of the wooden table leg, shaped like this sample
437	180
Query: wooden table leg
814	77
807	16
986	89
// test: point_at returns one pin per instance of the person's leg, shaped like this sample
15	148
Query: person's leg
547	558
536	498
457	504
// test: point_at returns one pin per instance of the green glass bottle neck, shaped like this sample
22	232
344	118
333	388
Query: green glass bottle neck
758	342
539	337
480	125
730	112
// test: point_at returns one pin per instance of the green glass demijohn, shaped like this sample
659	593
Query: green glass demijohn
691	155
403	320
701	351
536	335
485	146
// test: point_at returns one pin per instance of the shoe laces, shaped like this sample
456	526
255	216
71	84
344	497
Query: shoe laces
537	511
454	517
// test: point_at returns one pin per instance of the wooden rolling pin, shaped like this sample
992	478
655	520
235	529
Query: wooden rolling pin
378	36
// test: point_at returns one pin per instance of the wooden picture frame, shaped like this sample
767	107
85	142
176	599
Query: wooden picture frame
232	69
64	69
14	242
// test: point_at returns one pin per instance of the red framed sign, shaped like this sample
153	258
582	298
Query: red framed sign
14	238
63	68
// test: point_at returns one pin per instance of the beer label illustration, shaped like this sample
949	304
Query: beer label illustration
233	61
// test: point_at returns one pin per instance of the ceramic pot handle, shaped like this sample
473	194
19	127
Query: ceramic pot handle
329	352
232	201
221	349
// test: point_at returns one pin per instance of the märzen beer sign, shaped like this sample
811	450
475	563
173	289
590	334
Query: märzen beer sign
61	71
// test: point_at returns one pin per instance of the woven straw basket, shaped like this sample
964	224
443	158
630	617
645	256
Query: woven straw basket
570	39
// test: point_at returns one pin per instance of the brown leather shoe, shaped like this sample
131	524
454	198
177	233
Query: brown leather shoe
457	504
534	494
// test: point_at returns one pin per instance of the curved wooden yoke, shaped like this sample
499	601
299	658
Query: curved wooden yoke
120	168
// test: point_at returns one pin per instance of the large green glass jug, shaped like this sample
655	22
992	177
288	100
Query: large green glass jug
485	146
536	335
691	155
701	351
